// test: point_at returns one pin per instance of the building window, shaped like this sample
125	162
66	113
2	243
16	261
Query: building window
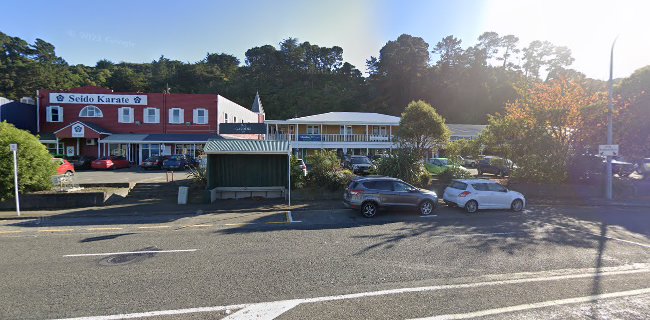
201	116
225	118
54	114
345	130
234	119
313	129
151	115
90	112
125	115
51	147
379	131
176	115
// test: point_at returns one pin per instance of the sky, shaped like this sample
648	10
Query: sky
143	30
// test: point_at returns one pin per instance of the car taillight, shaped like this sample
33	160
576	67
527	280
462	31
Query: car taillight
464	194
356	192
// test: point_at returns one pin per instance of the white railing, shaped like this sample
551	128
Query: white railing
329	137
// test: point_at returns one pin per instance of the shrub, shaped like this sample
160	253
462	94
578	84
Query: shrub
326	171
454	172
35	167
405	165
198	175
297	175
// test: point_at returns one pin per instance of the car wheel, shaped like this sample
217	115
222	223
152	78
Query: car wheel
427	207
517	205
471	206
69	173
369	209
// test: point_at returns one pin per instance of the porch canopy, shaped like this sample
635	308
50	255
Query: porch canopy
248	164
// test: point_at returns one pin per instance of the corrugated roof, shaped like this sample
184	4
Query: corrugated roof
466	130
223	146
125	138
344	117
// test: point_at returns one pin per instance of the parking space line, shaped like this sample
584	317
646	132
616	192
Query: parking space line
103	229
239	224
11	231
128	252
606	237
277	222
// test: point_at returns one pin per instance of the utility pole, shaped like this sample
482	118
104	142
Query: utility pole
608	168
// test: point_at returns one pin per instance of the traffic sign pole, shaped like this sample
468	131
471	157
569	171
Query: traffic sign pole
14	149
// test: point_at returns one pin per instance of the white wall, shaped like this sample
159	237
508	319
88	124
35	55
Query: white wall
234	110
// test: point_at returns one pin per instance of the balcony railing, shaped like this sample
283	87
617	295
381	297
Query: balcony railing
329	137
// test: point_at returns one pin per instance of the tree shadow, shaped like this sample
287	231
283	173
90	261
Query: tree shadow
105	237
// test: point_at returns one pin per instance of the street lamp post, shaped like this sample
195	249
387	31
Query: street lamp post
608	169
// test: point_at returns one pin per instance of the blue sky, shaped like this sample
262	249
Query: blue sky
142	30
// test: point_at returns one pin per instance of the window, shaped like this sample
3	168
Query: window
151	115
54	114
346	130
201	116
125	115
51	147
480	186
176	115
311	129
90	112
225	118
496	187
401	187
458	185
379	131
234	119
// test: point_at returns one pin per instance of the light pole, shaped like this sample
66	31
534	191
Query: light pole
608	168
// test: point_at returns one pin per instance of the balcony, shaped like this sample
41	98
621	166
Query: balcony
330	137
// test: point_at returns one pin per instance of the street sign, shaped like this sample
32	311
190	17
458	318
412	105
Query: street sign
608	149
13	147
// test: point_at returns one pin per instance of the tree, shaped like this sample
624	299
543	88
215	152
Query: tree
35	167
422	128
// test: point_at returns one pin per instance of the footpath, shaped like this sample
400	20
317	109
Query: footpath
139	209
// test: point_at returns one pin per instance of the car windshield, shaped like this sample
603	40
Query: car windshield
441	161
360	160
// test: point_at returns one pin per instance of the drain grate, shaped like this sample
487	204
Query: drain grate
124	259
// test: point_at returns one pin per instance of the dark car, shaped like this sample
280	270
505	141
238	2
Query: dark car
359	164
371	194
495	165
585	168
155	162
178	162
643	168
81	162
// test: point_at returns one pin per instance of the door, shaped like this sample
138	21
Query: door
384	191
499	195
404	195
483	195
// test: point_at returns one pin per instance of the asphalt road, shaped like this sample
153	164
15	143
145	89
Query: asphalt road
547	262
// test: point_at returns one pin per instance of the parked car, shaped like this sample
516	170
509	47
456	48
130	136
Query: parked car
371	194
63	167
178	162
643	168
437	166
155	162
359	164
495	165
303	166
471	162
112	163
586	167
476	194
81	162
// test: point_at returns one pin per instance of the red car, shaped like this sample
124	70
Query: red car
112	163
63	166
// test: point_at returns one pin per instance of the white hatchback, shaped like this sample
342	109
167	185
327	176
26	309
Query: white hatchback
477	194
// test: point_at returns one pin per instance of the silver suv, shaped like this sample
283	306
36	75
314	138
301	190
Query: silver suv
373	193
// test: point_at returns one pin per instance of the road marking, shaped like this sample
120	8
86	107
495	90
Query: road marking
201	225
263	311
127	252
239	224
290	217
368	294
473	234
277	222
153	227
104	229
429	216
606	237
56	230
523	307
12	231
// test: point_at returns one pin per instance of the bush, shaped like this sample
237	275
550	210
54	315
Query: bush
405	165
326	171
35	167
198	175
454	172
297	175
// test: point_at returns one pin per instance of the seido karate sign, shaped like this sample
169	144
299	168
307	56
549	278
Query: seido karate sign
93	98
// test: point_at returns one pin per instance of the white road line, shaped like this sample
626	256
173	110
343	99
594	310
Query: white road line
263	311
606	237
523	307
473	234
127	252
429	216
296	302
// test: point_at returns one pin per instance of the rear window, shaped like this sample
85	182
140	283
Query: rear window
458	185
480	186
379	185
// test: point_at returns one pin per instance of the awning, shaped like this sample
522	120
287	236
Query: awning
77	129
160	138
223	146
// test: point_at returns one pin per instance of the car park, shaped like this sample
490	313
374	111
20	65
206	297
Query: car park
81	162
359	164
475	194
110	163
155	162
371	194
495	165
63	167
